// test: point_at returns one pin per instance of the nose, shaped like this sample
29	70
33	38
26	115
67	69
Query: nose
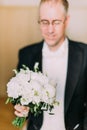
50	28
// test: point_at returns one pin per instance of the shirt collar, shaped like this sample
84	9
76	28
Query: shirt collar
59	52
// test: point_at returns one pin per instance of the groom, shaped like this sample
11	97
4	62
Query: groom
64	61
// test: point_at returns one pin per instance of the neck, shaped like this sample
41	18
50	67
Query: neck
56	46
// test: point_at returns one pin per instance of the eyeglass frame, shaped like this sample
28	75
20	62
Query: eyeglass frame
45	23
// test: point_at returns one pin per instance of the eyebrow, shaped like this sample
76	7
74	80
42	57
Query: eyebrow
52	20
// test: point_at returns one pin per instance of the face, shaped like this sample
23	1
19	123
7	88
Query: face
53	22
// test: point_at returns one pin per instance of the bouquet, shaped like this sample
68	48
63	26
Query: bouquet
33	89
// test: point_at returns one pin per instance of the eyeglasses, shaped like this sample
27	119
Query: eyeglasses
45	23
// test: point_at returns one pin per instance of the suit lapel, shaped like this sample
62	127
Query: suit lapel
73	72
37	56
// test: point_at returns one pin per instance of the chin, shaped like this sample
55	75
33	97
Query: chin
50	43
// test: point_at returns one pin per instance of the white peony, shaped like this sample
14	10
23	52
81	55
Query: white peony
23	76
32	89
38	76
13	88
31	86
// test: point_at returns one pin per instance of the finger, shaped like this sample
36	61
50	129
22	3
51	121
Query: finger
19	114
20	107
21	111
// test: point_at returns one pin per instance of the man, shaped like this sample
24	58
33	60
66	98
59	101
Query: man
64	61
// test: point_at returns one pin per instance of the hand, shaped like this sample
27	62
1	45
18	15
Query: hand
21	111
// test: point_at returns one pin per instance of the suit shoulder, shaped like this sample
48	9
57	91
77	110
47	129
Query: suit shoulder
31	47
78	44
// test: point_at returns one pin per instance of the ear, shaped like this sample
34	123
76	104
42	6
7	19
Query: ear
67	20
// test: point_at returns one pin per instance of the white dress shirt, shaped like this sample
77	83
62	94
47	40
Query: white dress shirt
55	66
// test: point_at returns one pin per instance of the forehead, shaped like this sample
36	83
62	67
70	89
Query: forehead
51	10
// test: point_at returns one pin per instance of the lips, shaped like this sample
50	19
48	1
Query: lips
50	38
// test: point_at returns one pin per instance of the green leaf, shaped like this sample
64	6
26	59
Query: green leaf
19	121
36	68
7	101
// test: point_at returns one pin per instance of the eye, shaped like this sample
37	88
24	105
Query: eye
57	22
44	22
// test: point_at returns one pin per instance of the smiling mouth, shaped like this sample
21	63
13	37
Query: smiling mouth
50	37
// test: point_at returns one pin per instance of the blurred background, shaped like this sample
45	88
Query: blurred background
18	28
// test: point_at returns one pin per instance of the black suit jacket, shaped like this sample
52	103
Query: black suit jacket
75	102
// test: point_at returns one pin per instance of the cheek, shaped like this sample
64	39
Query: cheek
60	30
43	32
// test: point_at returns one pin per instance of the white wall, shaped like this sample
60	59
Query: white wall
78	3
77	28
